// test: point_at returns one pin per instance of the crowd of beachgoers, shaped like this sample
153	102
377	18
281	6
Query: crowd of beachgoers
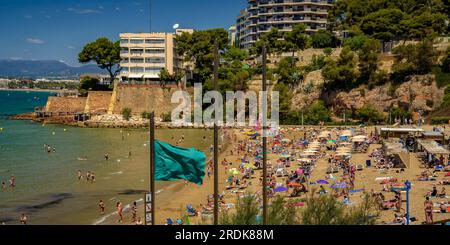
344	162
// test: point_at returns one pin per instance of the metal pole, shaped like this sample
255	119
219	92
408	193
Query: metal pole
216	138
150	15
264	182
152	164
408	188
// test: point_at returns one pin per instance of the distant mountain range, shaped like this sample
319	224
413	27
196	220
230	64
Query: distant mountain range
43	69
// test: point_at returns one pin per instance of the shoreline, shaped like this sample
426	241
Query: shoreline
38	90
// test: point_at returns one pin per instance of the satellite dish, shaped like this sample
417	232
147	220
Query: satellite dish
176	26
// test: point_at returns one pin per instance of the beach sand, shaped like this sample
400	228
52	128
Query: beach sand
171	203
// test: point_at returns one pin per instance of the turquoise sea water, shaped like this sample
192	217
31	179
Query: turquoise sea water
47	188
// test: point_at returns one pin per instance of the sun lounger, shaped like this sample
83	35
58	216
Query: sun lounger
191	211
169	221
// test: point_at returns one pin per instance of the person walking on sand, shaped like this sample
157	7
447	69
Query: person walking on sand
106	157
133	212
120	212
428	207
101	205
23	219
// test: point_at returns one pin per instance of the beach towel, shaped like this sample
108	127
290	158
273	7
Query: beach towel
175	163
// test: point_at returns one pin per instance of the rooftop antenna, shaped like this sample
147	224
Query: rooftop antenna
150	8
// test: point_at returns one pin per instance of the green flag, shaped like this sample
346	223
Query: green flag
175	163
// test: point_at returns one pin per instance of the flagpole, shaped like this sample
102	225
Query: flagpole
152	165
216	138
264	182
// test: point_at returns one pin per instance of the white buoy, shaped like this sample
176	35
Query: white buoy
65	130
53	133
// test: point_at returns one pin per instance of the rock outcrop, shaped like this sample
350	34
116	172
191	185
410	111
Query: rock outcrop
419	93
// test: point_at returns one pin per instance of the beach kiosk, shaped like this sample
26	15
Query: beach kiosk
435	155
399	132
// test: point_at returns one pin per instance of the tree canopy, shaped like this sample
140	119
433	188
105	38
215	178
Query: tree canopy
388	20
199	48
105	53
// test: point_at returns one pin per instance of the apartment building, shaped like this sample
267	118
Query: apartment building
144	55
262	15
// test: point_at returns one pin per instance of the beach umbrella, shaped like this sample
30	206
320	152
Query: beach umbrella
294	184
304	160
300	171
276	143
285	140
250	166
310	151
281	189
339	185
285	156
322	182
331	142
344	154
307	154
234	171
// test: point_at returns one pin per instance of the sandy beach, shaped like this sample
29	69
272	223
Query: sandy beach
172	201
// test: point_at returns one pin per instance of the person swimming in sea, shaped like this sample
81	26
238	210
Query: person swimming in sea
79	175
12	181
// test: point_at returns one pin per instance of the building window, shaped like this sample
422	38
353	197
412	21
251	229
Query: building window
137	51
136	41
155	41
137	60
155	60
124	40
155	51
137	69
156	70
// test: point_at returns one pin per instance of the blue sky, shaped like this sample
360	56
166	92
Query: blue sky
58	29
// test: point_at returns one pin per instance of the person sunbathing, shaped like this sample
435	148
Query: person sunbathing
442	194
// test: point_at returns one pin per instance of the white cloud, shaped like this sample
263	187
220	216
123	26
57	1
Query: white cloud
118	9
71	47
48	17
28	16
34	40
100	7
141	10
15	58
83	11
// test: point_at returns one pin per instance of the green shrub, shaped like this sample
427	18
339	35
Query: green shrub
440	120
369	114
398	112
166	117
442	78
146	115
328	51
126	113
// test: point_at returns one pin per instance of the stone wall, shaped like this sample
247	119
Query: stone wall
65	104
143	98
98	102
